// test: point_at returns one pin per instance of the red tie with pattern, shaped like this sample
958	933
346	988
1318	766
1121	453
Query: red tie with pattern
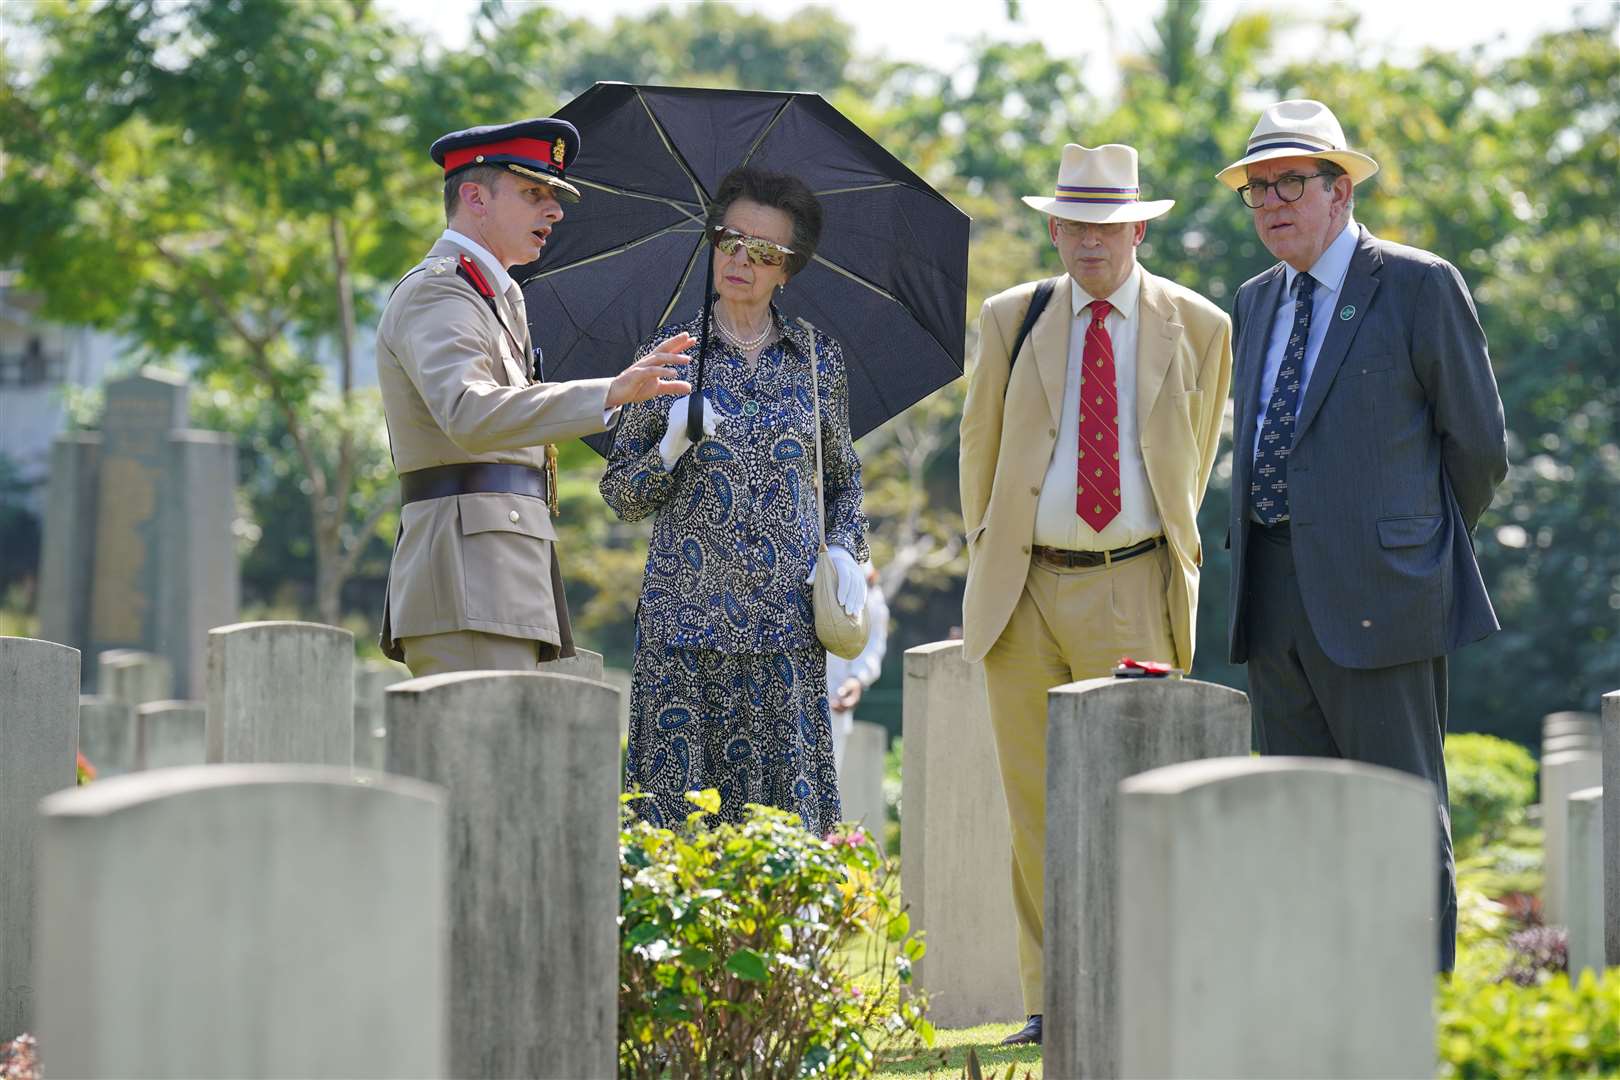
1097	490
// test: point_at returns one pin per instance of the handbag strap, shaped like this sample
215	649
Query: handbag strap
815	406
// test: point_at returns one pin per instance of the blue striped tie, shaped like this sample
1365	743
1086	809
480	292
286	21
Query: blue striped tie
1268	483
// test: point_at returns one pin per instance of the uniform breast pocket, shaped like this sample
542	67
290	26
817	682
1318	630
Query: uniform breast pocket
506	559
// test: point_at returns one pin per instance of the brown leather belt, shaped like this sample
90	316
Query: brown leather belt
472	478
1068	560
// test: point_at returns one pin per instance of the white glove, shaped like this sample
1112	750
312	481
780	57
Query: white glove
851	579
675	440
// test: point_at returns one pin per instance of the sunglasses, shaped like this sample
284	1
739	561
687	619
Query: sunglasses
760	250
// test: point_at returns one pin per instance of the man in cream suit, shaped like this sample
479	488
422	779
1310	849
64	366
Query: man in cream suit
474	582
1084	460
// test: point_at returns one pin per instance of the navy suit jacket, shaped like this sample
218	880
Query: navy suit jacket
1398	449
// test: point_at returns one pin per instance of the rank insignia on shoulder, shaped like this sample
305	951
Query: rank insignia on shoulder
442	265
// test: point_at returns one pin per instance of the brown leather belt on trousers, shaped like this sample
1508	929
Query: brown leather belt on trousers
471	478
1069	560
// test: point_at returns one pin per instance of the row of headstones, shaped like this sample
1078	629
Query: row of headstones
1206	912
131	726
1580	756
278	919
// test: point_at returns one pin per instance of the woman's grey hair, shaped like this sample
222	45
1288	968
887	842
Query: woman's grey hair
780	191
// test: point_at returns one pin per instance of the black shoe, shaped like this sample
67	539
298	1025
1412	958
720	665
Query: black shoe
1030	1035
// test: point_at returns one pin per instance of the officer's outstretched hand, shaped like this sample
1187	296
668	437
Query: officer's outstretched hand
654	374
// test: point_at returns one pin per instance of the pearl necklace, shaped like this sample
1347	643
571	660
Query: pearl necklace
748	345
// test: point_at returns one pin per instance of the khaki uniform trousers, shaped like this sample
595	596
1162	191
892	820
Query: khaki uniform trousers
1068	625
469	650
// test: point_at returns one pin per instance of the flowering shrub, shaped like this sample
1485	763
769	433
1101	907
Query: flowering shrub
84	771
19	1059
759	950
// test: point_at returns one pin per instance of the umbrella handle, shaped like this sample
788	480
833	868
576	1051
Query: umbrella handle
694	412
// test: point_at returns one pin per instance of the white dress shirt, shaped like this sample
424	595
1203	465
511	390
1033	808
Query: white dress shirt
1057	523
1329	271
499	279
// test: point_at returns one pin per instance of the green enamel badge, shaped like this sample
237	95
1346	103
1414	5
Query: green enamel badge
1347	312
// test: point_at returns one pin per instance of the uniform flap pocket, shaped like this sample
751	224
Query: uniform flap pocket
1407	531
496	512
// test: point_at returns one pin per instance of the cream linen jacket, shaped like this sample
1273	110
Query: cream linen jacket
1184	369
455	389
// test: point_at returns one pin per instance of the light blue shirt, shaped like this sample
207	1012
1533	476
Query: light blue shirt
1329	272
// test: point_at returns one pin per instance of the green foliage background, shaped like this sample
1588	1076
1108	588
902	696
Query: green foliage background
239	184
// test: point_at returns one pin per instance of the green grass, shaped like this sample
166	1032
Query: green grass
949	1055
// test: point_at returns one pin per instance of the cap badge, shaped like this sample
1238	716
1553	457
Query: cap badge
557	151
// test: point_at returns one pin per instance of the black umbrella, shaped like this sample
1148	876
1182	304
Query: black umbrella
889	280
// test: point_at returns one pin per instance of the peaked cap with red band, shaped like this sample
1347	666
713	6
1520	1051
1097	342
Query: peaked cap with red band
540	149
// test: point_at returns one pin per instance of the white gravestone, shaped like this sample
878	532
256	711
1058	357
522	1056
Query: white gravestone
531	764
107	734
171	733
860	780
1611	829
1098	732
1584	900
243	921
39	735
281	692
955	849
1562	775
1276	919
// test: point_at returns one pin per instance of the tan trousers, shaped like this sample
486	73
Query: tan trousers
469	650
1069	625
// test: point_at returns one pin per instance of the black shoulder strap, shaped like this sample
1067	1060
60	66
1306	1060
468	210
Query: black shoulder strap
1037	304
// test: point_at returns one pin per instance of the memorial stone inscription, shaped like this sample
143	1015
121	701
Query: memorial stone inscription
141	412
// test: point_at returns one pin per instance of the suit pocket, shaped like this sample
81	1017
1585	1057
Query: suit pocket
1367	365
506	559
1408	531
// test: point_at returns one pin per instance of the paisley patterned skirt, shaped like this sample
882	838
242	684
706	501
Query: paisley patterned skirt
754	726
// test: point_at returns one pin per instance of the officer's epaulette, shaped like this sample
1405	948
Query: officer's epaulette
468	271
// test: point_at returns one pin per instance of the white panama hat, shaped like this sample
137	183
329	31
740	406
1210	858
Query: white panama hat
1098	185
1298	127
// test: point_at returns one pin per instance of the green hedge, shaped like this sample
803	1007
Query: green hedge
1491	783
1491	1030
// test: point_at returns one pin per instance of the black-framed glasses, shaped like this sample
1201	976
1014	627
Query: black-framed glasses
1289	187
760	250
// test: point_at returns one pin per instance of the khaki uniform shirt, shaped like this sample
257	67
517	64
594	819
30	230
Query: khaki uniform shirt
455	389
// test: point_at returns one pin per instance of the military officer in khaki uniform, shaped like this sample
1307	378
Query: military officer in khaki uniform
474	582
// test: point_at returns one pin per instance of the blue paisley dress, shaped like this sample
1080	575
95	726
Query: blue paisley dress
729	690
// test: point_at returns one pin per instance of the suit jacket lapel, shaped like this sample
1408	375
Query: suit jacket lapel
1157	337
1049	345
1360	282
1251	362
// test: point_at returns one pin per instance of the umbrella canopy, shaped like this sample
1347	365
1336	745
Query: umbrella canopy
889	279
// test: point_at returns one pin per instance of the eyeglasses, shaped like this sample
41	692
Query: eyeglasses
1289	187
760	250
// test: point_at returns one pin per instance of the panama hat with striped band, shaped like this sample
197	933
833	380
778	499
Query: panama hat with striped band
1299	127
1098	185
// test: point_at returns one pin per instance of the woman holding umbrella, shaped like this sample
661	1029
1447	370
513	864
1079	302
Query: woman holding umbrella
729	690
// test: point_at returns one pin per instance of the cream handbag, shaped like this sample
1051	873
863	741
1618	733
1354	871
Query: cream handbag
841	633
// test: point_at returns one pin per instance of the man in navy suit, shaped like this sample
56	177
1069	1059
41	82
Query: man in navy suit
1368	440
